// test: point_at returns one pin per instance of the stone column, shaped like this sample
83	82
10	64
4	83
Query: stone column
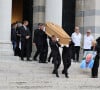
38	11
97	18
5	27
80	15
54	11
38	16
88	16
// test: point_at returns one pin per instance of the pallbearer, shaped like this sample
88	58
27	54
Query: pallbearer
40	40
55	54
66	57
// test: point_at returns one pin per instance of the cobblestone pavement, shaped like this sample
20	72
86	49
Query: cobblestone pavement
22	75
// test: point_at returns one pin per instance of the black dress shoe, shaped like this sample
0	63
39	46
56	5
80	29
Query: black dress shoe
40	61
48	60
63	72
66	75
29	60
44	62
34	59
52	61
57	75
22	59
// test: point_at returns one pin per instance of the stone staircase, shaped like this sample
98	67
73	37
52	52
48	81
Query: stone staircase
22	75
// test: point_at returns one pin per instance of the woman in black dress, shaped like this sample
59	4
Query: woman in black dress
55	54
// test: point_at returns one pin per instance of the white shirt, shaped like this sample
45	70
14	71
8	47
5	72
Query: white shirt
25	27
88	41
76	38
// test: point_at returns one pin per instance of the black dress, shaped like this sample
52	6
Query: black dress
56	56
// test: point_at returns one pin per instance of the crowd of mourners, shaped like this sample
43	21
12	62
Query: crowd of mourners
21	38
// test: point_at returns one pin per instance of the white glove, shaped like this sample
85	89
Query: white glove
44	29
67	45
62	45
57	39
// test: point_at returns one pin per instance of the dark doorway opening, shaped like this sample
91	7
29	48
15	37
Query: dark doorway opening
17	10
68	16
28	15
23	10
28	12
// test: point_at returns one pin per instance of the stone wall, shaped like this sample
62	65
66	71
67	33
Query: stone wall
88	16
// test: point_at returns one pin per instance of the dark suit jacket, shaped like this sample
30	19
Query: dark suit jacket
97	48
40	38
25	43
24	33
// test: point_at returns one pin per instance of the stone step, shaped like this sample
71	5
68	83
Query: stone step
23	75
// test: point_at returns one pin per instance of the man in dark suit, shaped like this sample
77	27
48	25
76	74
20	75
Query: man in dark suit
40	40
97	58
25	41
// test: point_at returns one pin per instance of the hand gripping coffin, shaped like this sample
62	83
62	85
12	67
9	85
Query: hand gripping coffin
54	29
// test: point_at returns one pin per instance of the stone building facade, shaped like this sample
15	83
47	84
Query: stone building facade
87	16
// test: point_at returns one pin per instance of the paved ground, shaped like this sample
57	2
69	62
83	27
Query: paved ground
22	75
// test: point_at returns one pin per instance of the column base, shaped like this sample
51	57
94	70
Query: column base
6	49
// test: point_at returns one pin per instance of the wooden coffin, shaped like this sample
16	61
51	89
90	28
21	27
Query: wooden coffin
54	29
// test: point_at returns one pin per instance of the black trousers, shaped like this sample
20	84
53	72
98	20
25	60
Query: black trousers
43	54
76	53
57	61
39	50
95	66
66	64
25	49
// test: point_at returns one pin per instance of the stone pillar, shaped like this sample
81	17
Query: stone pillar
38	11
79	15
5	27
38	16
97	18
54	11
88	16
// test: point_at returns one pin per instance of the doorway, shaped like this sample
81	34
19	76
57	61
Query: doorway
22	10
17	10
68	16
